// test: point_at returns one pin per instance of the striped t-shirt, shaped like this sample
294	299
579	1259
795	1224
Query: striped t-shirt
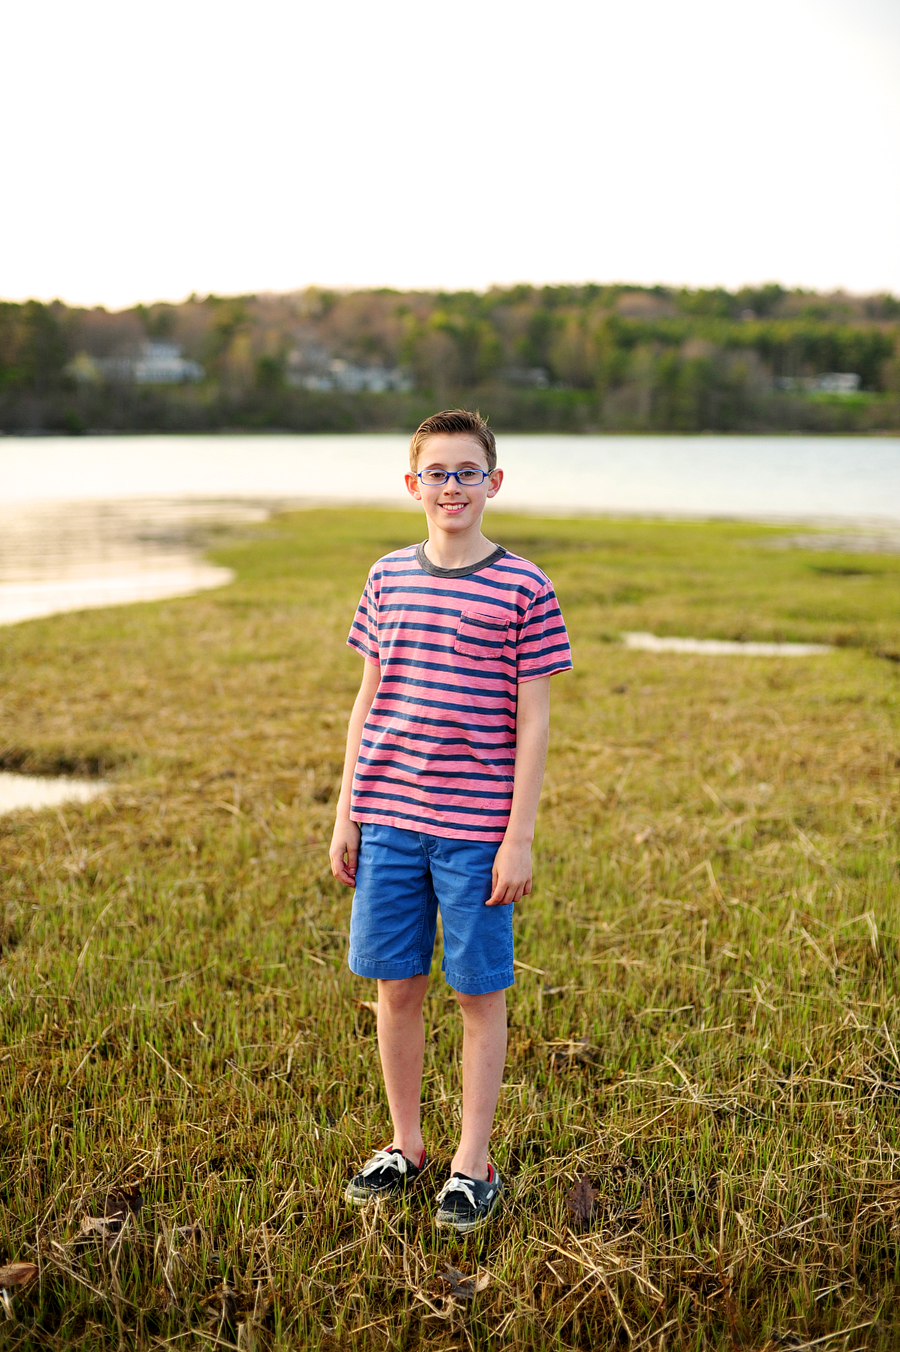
439	745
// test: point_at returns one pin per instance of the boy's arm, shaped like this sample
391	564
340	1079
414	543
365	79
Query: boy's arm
512	863
345	840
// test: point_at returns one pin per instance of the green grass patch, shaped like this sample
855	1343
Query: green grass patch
706	1024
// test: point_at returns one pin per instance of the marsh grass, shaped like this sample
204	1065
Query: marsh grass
704	1022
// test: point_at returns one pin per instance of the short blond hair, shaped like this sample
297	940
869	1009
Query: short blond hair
455	421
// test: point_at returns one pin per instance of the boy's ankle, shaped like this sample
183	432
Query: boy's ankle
415	1155
471	1166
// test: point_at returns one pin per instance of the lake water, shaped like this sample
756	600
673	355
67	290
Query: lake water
98	521
76	555
854	478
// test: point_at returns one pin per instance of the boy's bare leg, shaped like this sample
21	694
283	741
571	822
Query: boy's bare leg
401	1044
484	1054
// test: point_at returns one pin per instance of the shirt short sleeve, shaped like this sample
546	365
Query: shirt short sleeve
363	634
543	644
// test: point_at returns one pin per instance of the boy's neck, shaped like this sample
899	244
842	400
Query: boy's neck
457	551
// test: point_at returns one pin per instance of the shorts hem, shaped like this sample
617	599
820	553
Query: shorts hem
498	980
388	971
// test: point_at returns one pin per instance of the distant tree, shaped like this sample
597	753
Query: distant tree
882	307
715	302
533	349
33	347
158	320
762	300
269	373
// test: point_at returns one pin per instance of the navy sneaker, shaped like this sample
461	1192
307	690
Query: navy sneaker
386	1175
464	1203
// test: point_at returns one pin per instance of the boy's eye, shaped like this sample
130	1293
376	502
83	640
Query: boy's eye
434	476
470	476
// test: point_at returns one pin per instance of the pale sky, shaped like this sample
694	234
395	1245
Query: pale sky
157	149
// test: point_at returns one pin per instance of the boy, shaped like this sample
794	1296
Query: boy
445	756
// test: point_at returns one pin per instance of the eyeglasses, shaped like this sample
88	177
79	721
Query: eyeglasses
467	478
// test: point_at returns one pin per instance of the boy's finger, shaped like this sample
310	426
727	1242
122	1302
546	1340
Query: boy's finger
502	895
343	866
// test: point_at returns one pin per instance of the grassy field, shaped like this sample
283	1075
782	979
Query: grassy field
705	1021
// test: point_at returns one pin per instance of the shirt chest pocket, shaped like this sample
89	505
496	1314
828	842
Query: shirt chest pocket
480	635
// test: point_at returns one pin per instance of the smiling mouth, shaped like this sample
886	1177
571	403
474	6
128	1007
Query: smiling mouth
453	506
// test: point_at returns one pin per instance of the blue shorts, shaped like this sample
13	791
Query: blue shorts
402	879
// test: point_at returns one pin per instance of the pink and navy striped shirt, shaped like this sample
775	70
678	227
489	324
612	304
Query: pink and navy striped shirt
439	745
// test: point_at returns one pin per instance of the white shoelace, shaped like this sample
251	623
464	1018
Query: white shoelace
458	1185
385	1159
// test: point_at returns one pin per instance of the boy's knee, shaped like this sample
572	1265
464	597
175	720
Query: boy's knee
404	994
481	1005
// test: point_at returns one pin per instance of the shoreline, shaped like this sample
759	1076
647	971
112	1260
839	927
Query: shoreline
792	434
117	551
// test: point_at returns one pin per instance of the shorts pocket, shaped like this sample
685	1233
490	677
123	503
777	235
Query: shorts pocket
480	635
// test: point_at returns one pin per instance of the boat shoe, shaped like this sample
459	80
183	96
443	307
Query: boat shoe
386	1174
464	1202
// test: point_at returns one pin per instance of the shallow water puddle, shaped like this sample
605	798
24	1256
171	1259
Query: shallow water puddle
33	599
650	643
59	556
33	792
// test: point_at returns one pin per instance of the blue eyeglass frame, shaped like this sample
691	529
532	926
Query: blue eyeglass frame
454	474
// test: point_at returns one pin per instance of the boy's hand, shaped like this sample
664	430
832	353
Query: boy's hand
344	851
511	873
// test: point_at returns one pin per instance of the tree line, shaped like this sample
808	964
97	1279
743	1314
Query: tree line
569	358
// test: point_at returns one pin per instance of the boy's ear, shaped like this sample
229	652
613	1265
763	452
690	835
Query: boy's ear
495	480
412	486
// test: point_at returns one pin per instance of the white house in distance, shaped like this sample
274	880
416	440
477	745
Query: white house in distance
163	364
829	382
152	363
313	368
838	382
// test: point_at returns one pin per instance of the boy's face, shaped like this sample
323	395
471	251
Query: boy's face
453	506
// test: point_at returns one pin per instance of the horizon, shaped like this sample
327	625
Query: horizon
675	288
